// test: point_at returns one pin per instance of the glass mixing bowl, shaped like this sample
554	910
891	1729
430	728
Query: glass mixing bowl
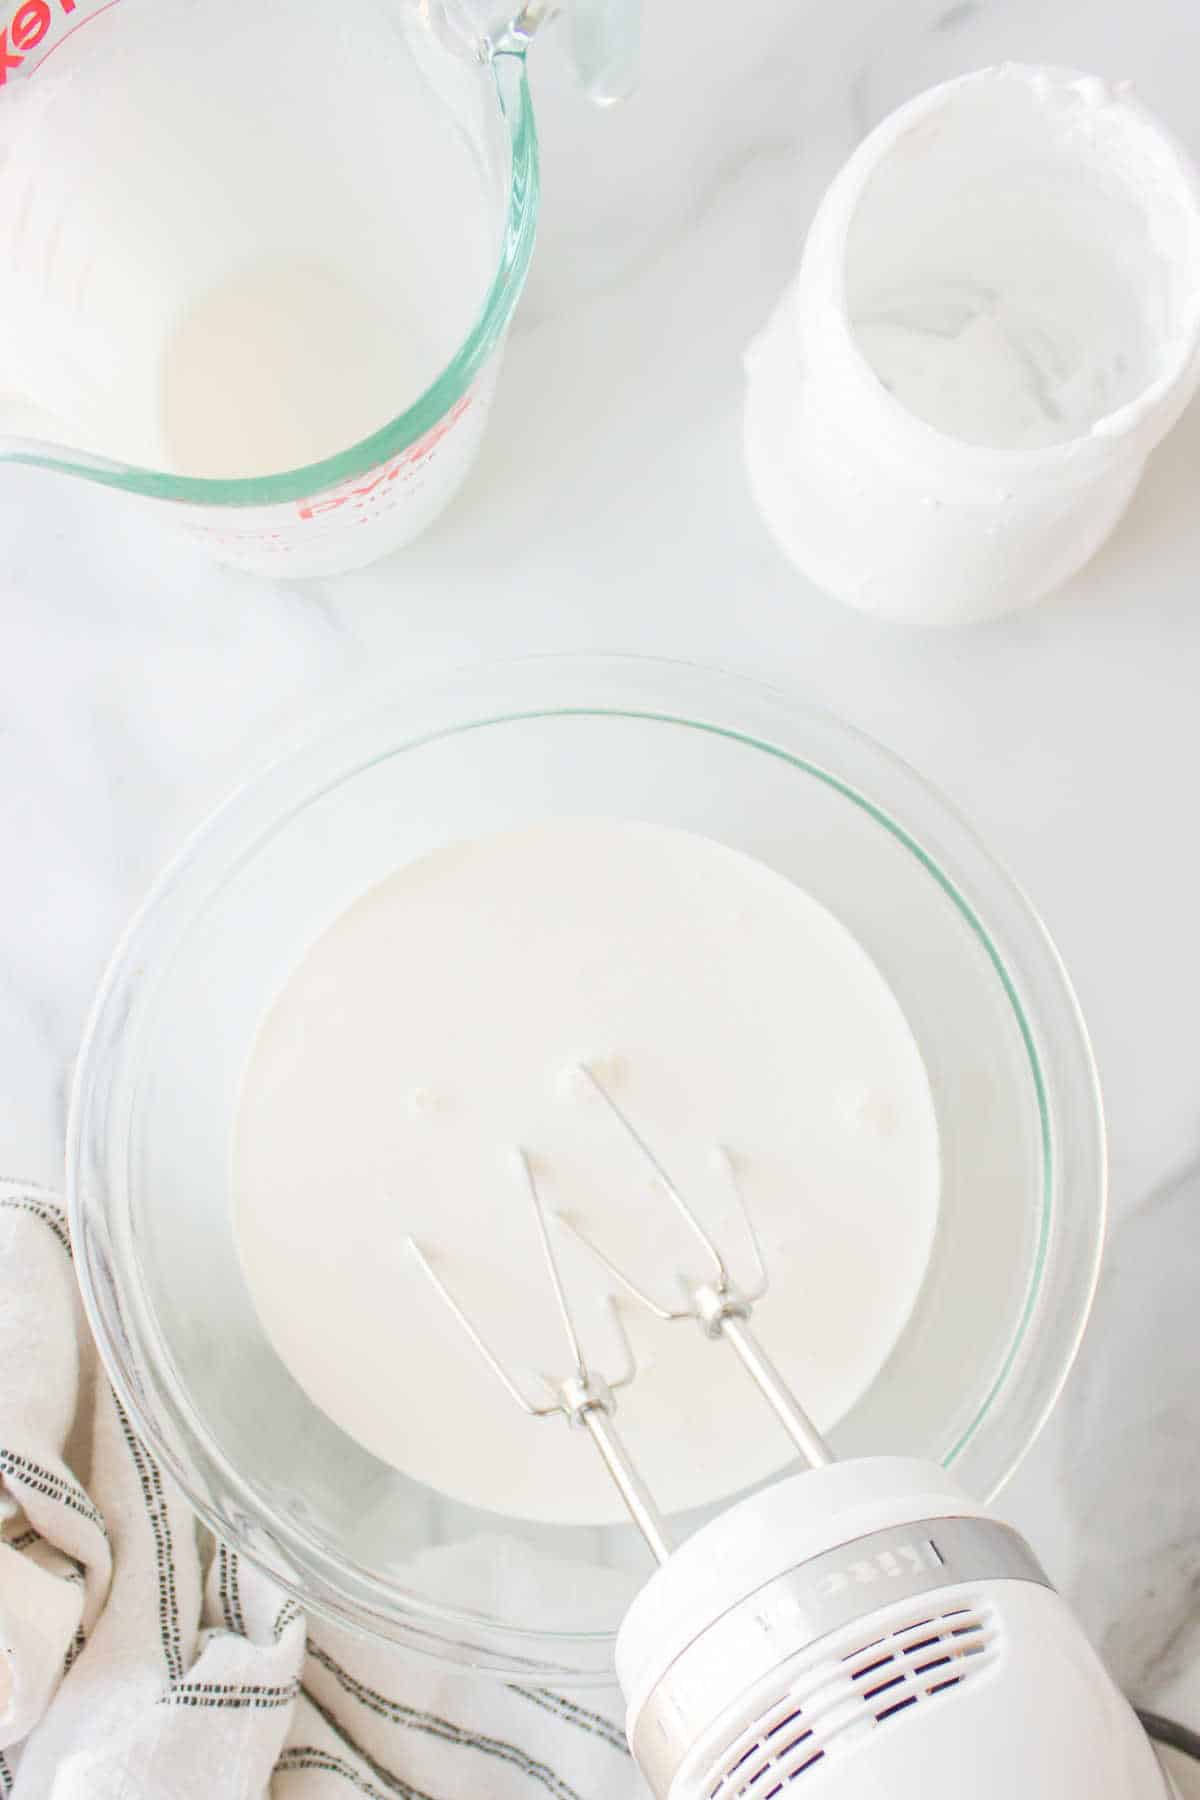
1017	1246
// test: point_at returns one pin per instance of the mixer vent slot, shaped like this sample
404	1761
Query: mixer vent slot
832	1705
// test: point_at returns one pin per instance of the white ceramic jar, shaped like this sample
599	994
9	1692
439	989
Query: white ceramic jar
996	318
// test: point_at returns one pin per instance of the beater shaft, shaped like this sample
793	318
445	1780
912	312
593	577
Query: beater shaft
776	1392
639	1502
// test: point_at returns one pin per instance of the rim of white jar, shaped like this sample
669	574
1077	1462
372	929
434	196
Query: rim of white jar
820	305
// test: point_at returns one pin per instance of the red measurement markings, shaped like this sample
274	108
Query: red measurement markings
416	453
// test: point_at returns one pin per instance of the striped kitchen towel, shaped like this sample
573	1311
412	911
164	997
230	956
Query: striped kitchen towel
138	1661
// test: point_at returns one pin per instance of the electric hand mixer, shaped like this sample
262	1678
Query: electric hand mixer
860	1629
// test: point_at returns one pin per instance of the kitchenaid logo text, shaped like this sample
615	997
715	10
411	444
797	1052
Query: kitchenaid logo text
885	1565
25	31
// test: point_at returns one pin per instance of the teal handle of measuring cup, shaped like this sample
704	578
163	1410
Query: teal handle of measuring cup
605	38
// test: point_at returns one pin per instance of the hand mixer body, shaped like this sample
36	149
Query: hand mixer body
866	1630
863	1629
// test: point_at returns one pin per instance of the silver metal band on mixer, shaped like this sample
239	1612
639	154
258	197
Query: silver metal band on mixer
805	1604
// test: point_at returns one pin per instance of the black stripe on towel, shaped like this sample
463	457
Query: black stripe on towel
444	1729
594	1723
6	1775
164	1556
403	1790
229	1591
309	1756
230	1695
288	1612
41	1209
73	1648
63	1490
235	1592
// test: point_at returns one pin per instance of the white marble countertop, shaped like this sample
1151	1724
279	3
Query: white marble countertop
609	510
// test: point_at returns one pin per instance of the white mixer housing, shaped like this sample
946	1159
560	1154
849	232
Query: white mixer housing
864	1630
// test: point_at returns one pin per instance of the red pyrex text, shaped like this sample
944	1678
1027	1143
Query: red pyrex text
25	31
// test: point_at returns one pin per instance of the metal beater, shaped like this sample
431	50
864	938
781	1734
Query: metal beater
584	1397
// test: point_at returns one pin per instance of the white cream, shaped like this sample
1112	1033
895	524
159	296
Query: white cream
432	1029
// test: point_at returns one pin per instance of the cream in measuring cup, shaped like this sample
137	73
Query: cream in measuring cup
258	263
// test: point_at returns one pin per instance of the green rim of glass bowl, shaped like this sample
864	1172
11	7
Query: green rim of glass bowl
520	225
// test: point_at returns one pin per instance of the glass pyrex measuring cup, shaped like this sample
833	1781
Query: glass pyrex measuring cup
146	171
